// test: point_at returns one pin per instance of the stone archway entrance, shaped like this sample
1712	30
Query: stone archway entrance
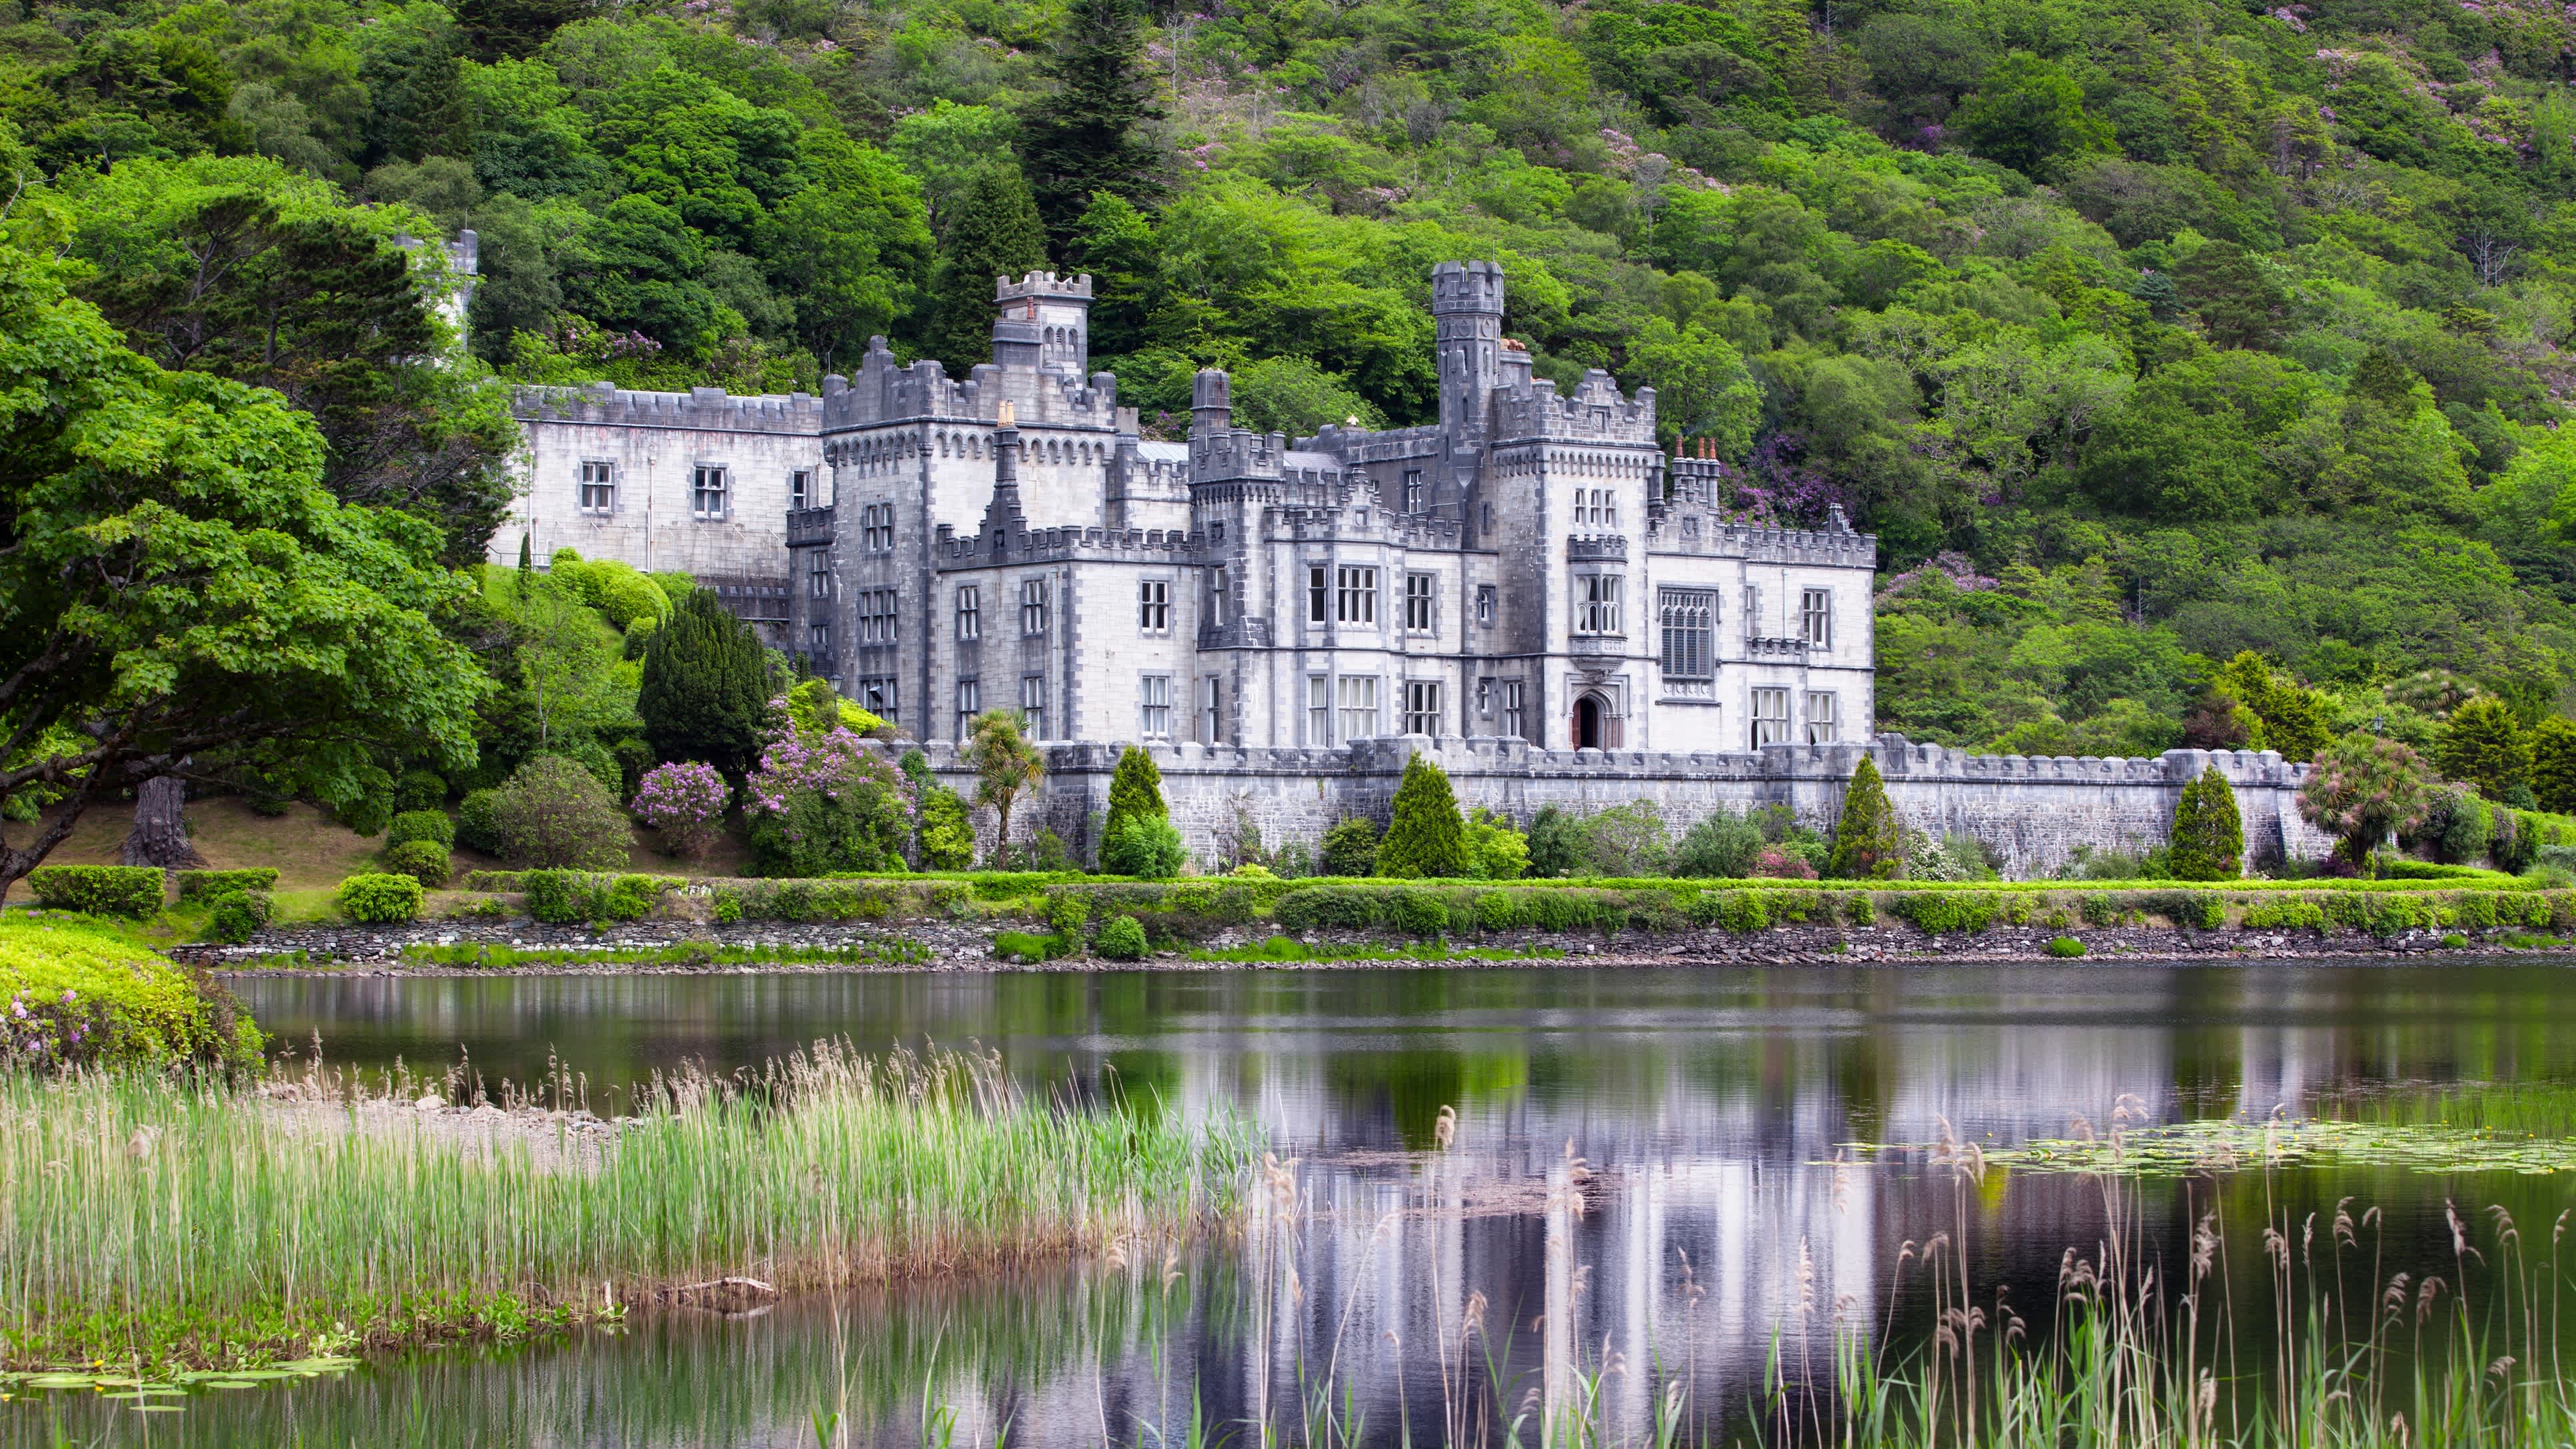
1590	717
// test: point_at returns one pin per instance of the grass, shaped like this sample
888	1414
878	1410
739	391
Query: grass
1288	950
157	1223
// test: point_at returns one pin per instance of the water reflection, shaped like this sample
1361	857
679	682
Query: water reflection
1715	1211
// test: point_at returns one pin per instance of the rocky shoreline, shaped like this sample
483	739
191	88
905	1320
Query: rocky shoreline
957	946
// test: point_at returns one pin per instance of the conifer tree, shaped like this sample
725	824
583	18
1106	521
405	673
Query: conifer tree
995	233
1088	137
1869	843
2553	764
1425	836
1138	838
2484	745
705	690
2208	833
1135	792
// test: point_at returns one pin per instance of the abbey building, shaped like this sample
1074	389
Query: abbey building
1529	566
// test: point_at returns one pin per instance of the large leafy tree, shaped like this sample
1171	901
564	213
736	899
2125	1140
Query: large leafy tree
1089	135
2484	745
176	584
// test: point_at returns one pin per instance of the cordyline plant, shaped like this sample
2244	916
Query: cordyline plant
2365	789
686	802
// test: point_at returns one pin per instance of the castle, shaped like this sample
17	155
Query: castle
1530	566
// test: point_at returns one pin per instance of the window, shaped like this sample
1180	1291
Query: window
1033	704
1688	618
1770	717
1318	595
1484	603
1593	508
1319	709
598	488
707	495
876	695
1596	604
1820	719
1033	606
800	488
970	612
818	573
1816	618
818	640
1216	598
1417	602
1422	706
1358	597
1156	697
1513	722
1154	605
876	616
876	527
1752	612
1485	696
1212	710
1359	707
970	703
1489	518
1413	499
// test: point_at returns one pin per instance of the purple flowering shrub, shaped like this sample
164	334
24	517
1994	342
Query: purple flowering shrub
685	801
73	996
828	800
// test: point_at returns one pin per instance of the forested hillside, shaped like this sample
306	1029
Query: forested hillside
2146	334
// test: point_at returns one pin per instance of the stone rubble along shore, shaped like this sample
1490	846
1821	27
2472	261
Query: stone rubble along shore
957	946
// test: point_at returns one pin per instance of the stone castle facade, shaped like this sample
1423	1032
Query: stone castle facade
1529	567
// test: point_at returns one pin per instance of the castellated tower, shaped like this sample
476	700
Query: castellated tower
1043	321
1467	308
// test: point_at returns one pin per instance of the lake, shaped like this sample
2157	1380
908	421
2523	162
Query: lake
1654	1177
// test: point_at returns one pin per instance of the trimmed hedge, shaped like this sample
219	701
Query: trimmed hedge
79	995
206	885
573	897
430	825
380	899
101	890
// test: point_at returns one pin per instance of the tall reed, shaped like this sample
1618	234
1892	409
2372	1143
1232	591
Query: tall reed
146	1218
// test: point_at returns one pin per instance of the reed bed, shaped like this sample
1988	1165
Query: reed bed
144	1219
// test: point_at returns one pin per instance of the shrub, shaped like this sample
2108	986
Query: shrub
1417	912
1026	949
380	899
78	995
365	816
945	835
1067	911
1625	841
1860	910
432	826
1425	836
1501	910
205	885
1145	846
556	897
238	915
1350	848
2362	789
1781	863
419	790
2459	826
1123	939
2065	947
630	898
2208	832
1943	913
686	802
1492	848
2284	913
100	890
2516	841
1555	844
1722	846
422	860
553	814
478	822
1868	842
1135	790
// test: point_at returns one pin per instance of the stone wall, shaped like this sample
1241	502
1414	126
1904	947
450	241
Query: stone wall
2034	810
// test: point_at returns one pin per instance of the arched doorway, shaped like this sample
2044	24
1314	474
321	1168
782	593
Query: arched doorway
1587	722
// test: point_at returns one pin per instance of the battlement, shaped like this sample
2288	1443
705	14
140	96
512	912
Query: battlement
1595	412
1836	543
1046	285
1467	287
700	409
1237	453
884	391
1142	545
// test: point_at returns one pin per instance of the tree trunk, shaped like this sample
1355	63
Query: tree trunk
160	835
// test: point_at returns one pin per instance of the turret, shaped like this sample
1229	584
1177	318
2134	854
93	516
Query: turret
1043	321
1467	313
1211	403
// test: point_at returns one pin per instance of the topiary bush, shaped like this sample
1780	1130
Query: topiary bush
414	826
206	885
2208	831
365	816
100	890
1123	939
380	899
1425	838
423	860
1869	841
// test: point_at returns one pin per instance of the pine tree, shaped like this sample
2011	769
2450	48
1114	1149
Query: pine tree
1088	137
2484	745
1425	837
2553	764
1869	843
2208	833
705	689
1135	791
994	234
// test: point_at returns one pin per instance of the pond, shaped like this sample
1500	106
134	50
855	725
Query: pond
1654	1177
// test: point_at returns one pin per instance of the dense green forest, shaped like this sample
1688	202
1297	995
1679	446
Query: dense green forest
2146	334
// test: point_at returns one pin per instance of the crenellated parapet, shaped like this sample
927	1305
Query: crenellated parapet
700	409
1596	411
1051	545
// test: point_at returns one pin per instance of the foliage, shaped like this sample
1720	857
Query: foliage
1624	840
238	915
686	802
1122	938
1722	845
814	709
2364	788
1146	846
1555	843
1869	841
419	790
704	694
995	233
1136	788
205	885
2482	744
379	899
1491	848
2065	947
430	825
100	890
946	839
423	860
2553	765
478	822
552	814
79	995
2208	833
827	804
1350	848
1425	837
1005	764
